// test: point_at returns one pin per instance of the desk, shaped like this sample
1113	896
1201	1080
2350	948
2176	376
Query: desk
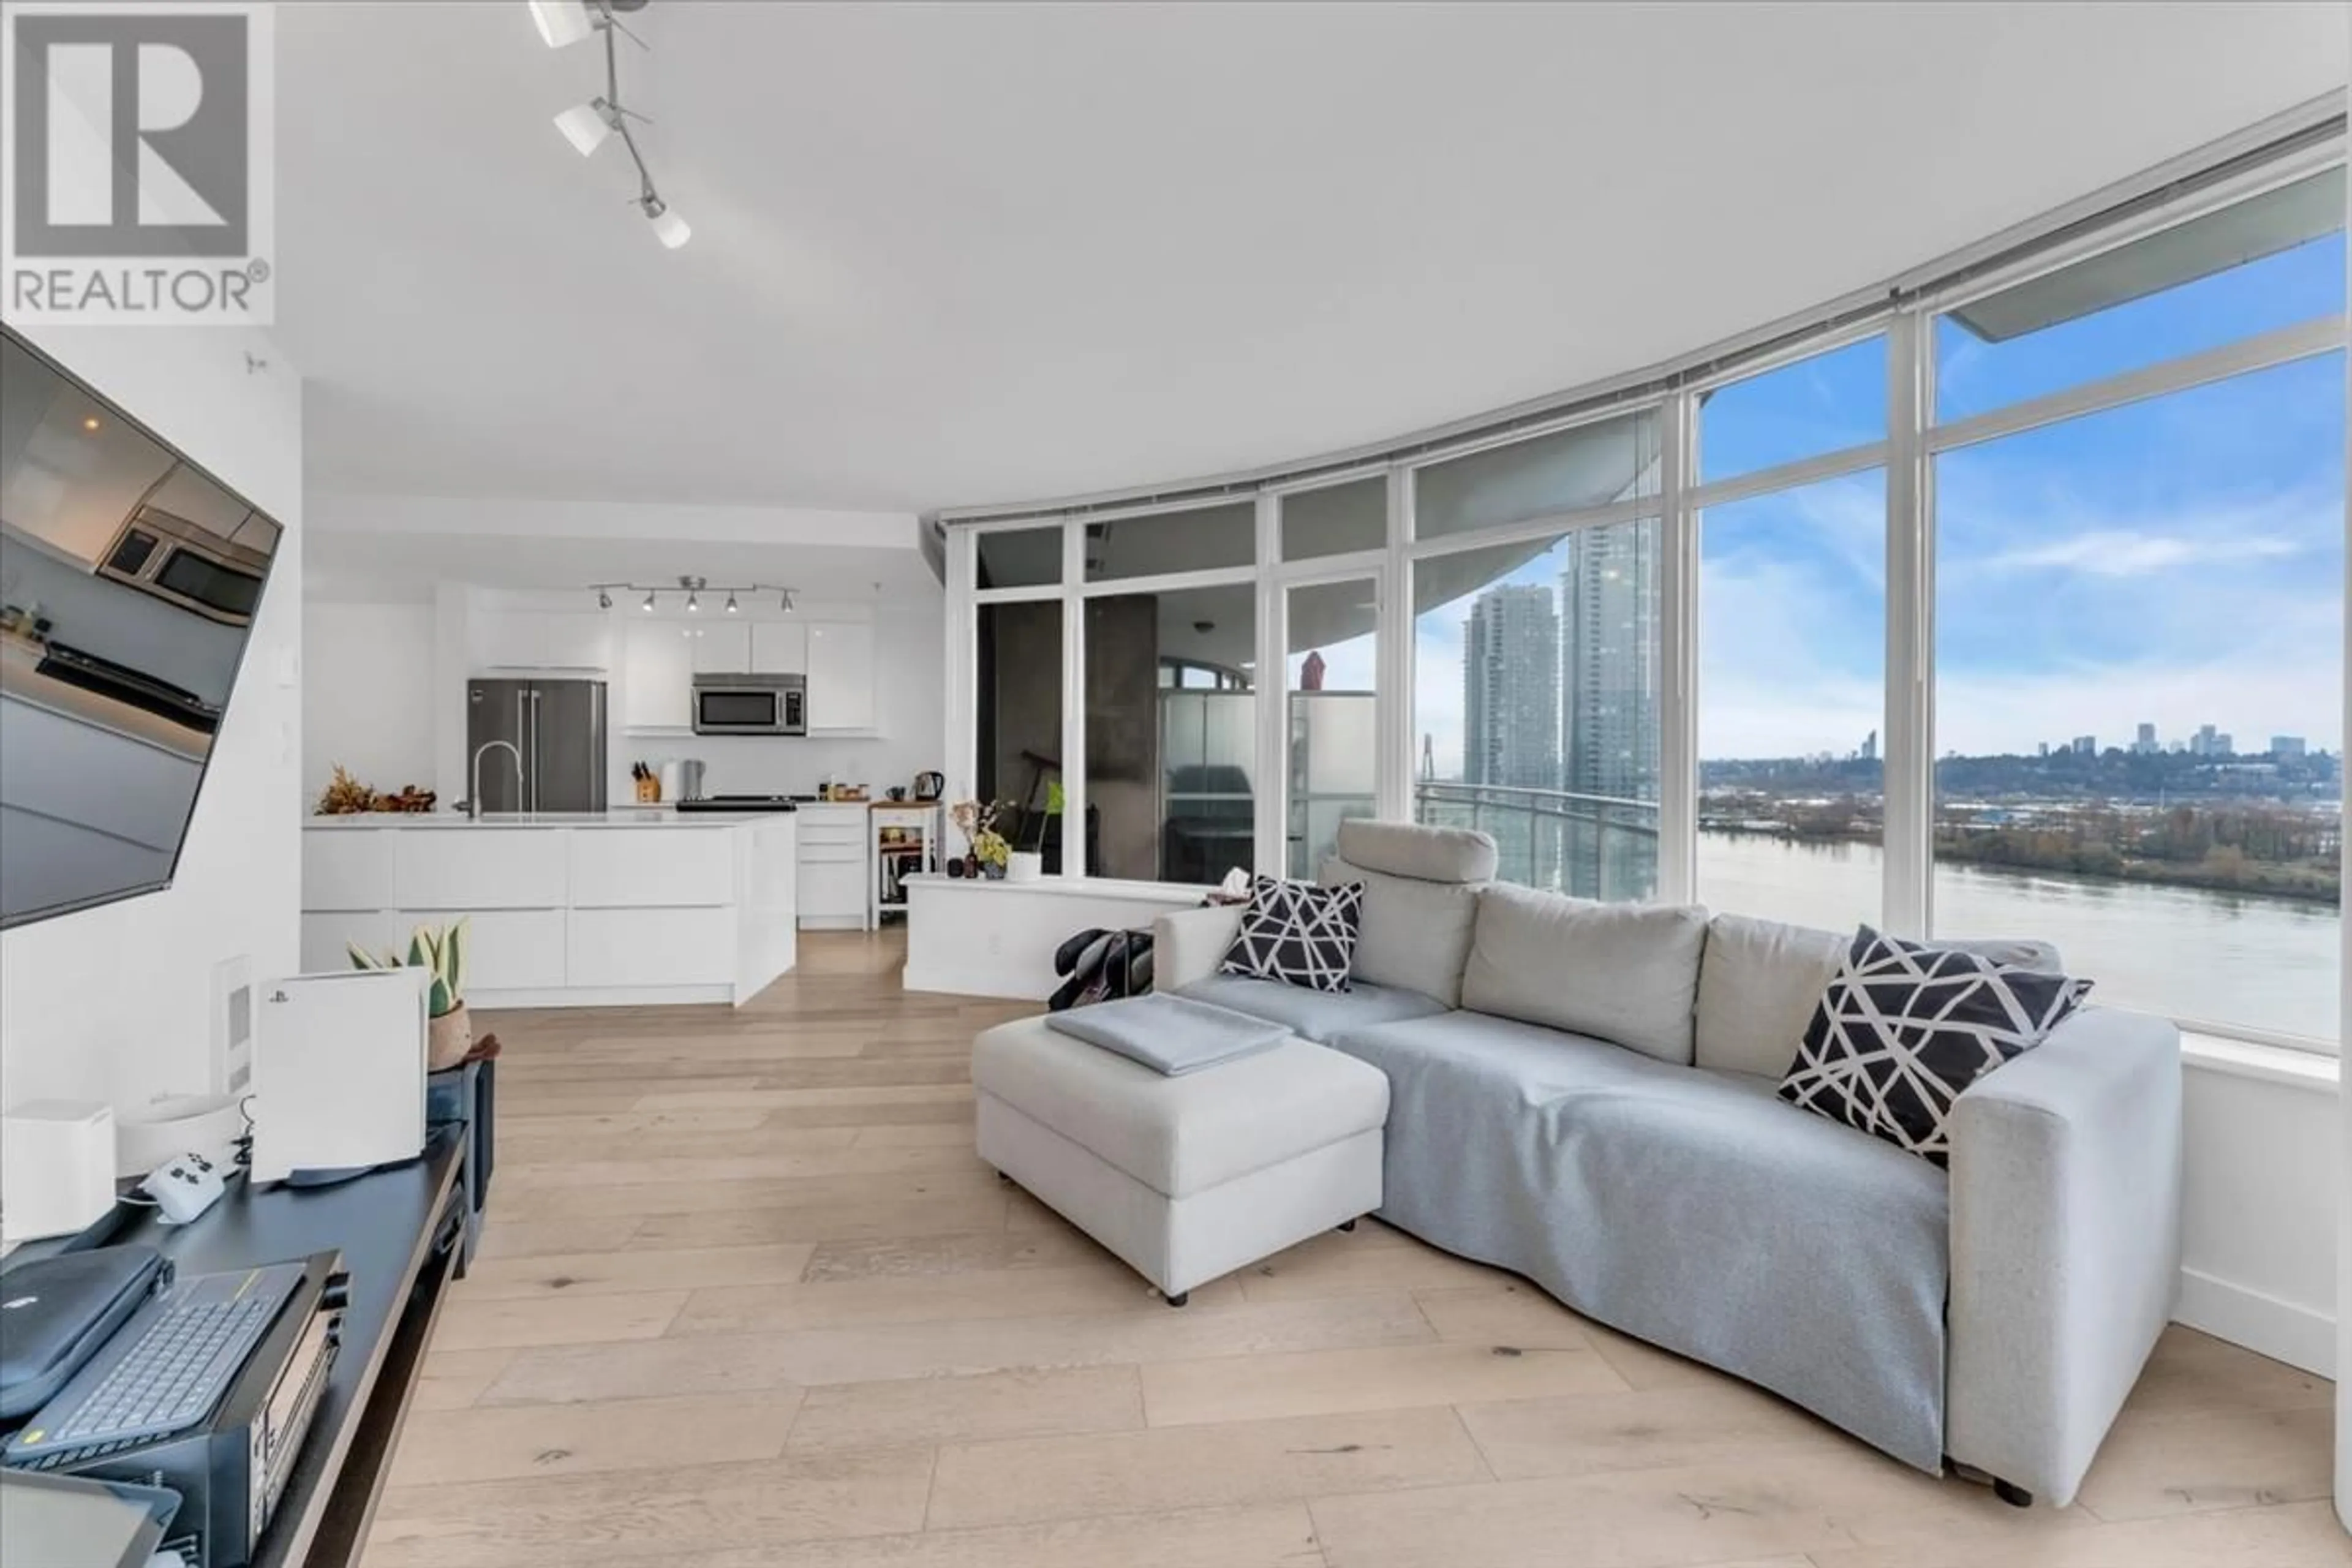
385	1224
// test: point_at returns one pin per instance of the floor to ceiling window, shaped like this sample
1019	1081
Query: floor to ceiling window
1171	743
2139	624
1536	709
1792	627
1330	676
1793	693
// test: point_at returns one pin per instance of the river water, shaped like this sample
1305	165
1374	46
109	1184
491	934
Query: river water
2217	958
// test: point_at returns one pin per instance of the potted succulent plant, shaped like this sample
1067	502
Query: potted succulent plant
442	952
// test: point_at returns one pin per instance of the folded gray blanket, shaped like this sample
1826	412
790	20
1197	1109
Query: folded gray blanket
1170	1034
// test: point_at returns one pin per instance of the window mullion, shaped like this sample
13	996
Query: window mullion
1678	692
1907	769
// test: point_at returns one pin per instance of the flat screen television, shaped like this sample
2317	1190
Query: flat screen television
129	581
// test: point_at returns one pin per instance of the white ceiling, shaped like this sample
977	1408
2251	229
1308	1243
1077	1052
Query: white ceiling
949	254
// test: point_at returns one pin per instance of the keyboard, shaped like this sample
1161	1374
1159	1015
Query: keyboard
183	1352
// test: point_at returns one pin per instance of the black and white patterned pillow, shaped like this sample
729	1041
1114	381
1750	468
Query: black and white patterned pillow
1298	934
1903	1027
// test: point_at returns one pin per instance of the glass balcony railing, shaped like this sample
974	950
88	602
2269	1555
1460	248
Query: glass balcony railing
1586	846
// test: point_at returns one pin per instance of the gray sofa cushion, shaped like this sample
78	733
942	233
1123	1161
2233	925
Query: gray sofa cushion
1424	854
1311	1014
1415	934
1691	1208
1758	986
1627	973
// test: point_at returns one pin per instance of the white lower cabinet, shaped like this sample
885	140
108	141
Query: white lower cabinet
479	867
833	855
833	893
326	935
509	950
620	870
621	948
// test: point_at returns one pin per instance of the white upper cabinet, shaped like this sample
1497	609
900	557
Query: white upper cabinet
541	639
841	675
658	694
780	647
720	647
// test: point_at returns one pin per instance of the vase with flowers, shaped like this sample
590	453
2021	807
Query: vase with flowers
989	852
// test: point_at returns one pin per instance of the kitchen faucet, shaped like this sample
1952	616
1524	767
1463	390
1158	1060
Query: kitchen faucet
473	795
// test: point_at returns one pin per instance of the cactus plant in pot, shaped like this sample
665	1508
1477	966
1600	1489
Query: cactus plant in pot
441	951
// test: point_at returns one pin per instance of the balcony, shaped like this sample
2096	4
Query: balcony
1587	846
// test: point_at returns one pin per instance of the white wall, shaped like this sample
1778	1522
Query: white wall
2259	1215
114	1003
367	694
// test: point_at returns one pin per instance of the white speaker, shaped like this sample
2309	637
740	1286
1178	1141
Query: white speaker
339	1071
56	1167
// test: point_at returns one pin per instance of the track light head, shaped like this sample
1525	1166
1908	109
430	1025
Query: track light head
785	599
585	125
668	228
649	602
693	602
561	23
730	602
603	599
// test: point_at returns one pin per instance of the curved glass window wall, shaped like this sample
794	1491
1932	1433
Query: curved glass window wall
2009	607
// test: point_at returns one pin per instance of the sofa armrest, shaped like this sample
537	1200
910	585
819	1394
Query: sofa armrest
1186	945
2065	1245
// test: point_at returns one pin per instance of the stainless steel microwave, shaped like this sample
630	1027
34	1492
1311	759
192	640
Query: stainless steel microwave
192	567
750	705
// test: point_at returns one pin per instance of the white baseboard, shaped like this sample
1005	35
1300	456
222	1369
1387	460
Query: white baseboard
2284	1330
990	982
604	997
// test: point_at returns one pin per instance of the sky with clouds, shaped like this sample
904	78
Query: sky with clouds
2178	560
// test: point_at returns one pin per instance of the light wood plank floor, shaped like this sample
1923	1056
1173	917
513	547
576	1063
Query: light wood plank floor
747	1301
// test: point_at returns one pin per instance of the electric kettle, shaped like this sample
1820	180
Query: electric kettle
930	785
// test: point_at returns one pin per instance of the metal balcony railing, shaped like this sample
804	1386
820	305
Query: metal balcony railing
1587	846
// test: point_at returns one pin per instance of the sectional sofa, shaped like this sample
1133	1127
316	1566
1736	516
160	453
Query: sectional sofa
1584	1094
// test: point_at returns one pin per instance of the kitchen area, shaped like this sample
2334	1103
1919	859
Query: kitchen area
638	792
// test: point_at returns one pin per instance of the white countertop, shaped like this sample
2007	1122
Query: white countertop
1065	887
619	817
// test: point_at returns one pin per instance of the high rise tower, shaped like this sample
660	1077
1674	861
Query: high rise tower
1609	660
1510	689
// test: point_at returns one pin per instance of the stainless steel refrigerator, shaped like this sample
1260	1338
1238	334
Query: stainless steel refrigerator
558	729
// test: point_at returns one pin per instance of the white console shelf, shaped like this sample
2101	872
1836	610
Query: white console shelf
615	908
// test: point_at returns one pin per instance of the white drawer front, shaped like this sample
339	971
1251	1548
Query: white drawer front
347	869
666	867
479	869
651	947
508	950
832	888
324	937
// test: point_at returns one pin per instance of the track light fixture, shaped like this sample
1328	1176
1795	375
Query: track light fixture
561	23
693	589
588	125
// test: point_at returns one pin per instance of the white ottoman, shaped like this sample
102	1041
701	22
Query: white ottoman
1185	1178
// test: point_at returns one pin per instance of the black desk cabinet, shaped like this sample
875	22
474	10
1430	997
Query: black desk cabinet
401	1234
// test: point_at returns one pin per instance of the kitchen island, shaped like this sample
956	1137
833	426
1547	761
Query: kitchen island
622	907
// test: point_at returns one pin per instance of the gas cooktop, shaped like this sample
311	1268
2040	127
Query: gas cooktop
744	802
